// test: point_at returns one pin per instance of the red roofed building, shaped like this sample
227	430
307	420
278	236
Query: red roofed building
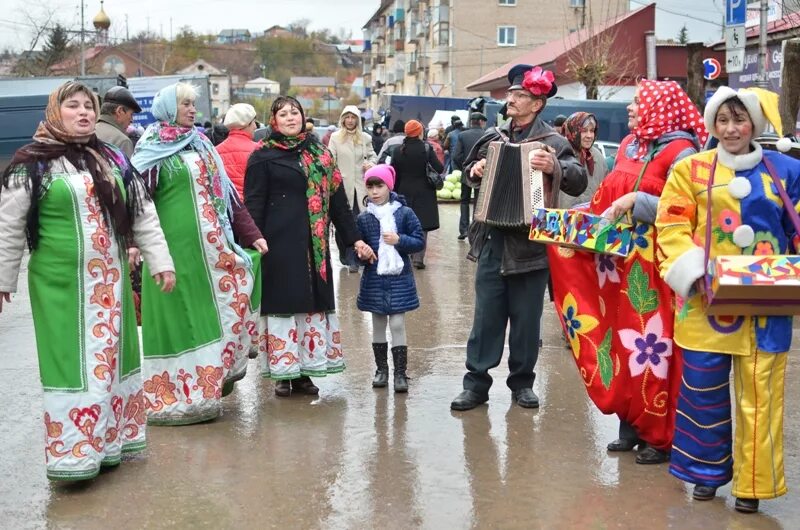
625	39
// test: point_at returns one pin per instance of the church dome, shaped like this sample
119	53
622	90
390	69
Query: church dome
101	20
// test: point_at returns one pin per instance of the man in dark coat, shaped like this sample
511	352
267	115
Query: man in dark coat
463	145
512	271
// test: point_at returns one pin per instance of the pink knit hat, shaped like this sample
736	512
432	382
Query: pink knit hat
385	172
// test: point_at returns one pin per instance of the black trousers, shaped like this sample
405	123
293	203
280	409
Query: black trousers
466	198
500	300
347	255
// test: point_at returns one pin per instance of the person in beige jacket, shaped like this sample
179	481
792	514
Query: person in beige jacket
352	150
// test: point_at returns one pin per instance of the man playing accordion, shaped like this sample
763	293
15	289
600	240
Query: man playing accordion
512	271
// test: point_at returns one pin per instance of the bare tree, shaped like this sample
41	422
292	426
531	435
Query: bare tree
39	20
600	55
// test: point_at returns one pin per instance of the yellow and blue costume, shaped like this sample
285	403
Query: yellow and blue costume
747	217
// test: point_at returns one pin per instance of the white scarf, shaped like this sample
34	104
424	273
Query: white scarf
389	261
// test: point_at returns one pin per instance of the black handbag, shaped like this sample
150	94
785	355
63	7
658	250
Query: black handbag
435	178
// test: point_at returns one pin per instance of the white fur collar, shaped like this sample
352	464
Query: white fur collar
740	162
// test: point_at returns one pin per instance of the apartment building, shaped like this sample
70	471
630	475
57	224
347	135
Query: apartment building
437	47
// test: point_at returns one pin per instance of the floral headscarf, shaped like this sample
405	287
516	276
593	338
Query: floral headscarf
51	141
323	181
165	138
664	108
572	132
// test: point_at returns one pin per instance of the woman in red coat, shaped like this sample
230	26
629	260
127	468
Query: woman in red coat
236	149
617	313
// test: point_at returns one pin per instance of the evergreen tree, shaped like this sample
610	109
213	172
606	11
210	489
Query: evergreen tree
56	49
683	35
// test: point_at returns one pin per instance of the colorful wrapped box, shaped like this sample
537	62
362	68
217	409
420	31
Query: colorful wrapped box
753	285
581	230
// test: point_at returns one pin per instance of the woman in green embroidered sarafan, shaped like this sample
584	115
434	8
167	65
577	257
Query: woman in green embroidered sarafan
293	192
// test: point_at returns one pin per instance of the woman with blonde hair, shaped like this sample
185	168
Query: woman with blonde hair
197	339
352	150
80	205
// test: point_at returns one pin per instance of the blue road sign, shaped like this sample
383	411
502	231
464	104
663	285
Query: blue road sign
735	12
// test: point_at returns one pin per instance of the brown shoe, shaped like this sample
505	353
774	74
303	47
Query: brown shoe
303	384
283	389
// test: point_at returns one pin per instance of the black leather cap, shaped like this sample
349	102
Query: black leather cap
122	96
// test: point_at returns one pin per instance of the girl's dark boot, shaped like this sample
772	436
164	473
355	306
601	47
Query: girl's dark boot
400	356
380	349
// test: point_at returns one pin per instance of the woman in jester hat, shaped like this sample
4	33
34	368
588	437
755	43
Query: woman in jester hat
293	191
617	313
196	339
81	205
736	199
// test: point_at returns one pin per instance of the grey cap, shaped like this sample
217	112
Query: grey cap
122	96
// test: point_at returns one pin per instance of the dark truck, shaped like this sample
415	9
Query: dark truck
22	104
612	116
23	100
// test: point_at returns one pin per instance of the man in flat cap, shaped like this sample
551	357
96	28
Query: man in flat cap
512	271
116	113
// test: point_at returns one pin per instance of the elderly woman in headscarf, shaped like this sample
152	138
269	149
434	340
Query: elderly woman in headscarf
197	339
617	312
353	154
80	205
294	191
580	130
736	199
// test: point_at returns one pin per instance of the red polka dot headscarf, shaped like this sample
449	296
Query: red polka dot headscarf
664	108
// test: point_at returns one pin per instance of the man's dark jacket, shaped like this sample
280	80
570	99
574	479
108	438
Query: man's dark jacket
466	141
521	255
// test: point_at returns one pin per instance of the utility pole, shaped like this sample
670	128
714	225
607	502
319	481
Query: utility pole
83	55
763	82
127	34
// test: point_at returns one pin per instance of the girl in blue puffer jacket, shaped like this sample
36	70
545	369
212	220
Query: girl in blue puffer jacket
388	289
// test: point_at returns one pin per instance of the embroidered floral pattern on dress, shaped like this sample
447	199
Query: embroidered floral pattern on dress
575	324
649	349
606	267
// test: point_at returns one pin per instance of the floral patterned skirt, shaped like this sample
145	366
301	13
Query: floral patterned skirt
305	344
617	315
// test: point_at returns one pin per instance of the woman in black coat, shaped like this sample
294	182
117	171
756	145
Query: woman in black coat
293	192
410	161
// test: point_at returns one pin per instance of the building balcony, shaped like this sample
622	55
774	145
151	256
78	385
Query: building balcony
439	55
380	58
412	33
411	68
379	33
423	62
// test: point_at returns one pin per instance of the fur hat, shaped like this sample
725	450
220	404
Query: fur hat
748	98
239	116
384	172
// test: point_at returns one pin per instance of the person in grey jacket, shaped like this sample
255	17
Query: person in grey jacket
512	271
116	113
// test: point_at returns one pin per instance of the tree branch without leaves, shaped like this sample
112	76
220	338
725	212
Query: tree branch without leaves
600	59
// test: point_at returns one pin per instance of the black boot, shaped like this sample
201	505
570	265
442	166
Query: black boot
400	356
380	349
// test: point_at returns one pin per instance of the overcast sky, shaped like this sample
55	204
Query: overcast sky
210	16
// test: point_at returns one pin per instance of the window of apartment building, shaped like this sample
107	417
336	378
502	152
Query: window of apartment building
577	3
507	2
506	35
214	88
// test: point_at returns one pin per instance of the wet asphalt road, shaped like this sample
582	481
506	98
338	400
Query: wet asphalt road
362	458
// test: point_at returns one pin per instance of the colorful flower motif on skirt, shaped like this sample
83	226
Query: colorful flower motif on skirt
764	244
575	324
606	267
649	349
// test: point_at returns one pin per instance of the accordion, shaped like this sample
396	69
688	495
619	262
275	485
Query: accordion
510	190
